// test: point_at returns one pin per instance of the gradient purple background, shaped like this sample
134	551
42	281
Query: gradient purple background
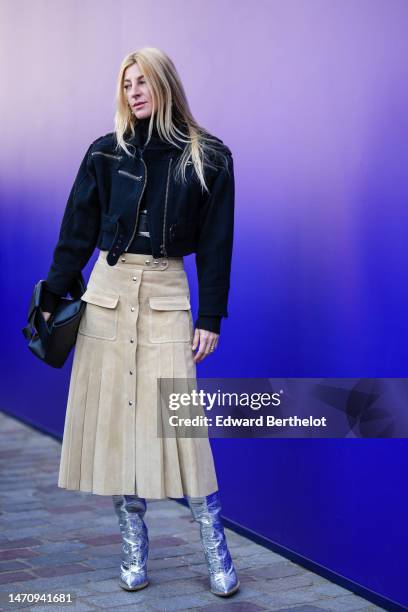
311	97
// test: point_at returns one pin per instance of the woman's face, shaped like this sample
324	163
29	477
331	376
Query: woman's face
136	92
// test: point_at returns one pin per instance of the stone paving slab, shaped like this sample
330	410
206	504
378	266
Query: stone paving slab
58	541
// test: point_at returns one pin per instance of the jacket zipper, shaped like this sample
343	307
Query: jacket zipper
138	204
163	245
130	175
107	155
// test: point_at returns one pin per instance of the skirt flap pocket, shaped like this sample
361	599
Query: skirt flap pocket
106	300
175	302
170	319
100	318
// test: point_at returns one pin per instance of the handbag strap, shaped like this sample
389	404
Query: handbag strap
28	330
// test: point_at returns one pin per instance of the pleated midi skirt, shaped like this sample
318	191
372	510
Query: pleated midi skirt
137	327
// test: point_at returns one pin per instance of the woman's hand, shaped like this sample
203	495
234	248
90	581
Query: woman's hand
46	315
206	341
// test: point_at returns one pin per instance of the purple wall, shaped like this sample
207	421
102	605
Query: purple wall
311	97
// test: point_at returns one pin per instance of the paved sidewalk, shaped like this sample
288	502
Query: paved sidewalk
58	541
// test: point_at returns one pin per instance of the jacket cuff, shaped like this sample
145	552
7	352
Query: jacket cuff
212	324
49	300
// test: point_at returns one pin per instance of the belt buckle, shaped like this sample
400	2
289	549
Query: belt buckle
158	264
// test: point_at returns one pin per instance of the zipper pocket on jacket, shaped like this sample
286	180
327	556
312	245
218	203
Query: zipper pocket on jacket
140	199
163	245
133	176
107	155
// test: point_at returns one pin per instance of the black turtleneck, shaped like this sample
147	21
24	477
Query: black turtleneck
141	244
142	130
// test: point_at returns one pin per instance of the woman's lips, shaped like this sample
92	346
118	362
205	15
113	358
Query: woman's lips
139	104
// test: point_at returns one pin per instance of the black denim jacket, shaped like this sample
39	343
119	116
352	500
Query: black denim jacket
103	208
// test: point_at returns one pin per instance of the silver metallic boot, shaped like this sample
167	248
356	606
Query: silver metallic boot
206	511
130	510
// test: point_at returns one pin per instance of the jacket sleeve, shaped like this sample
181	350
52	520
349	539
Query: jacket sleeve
214	245
212	324
79	229
49	300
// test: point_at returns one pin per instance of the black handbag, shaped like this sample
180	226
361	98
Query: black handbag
52	340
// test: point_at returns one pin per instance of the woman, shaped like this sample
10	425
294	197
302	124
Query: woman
157	188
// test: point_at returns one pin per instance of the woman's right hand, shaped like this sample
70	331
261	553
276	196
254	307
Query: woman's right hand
46	315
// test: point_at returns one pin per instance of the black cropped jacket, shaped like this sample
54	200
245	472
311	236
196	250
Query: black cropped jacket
104	204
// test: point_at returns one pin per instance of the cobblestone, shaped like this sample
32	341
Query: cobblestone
53	546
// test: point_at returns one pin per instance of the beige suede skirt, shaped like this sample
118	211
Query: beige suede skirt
137	327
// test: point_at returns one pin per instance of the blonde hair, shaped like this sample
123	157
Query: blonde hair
170	110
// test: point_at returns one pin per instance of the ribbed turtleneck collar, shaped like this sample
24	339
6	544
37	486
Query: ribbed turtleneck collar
141	134
142	130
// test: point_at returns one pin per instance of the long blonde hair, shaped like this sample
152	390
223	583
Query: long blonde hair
170	110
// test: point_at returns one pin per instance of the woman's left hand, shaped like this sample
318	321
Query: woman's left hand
206	342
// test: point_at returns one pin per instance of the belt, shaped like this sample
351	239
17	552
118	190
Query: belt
146	262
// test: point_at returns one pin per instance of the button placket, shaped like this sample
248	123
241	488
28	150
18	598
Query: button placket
135	279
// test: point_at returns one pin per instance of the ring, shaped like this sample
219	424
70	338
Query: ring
212	348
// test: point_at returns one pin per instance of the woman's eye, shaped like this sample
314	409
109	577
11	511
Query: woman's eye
140	83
